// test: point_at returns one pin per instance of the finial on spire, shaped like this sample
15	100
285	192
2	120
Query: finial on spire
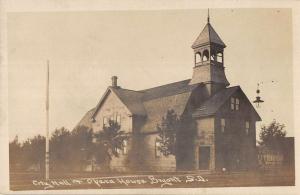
208	15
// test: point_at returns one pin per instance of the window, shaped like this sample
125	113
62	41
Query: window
232	103
157	151
112	118
222	125
247	125
125	149
118	151
205	56
220	57
198	57
212	57
237	104
118	119
105	121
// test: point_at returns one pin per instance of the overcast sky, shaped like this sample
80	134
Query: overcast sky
144	49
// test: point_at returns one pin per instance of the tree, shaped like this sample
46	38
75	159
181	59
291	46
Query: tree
60	149
33	152
110	140
272	136
82	146
15	153
168	130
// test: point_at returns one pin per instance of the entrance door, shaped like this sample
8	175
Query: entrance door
204	157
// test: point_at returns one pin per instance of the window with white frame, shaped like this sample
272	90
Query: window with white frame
237	104
105	121
223	125
125	149
232	103
118	119
112	118
157	150
247	127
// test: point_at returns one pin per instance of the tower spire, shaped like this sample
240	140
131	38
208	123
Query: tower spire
208	15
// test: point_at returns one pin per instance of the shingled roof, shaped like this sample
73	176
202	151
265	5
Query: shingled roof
157	101
211	106
132	99
168	90
207	36
86	120
152	102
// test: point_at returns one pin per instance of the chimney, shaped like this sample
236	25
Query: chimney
114	81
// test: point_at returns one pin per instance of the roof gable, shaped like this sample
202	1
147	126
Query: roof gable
213	104
132	100
102	100
86	120
207	36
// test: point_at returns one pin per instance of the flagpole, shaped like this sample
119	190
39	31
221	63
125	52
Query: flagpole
47	126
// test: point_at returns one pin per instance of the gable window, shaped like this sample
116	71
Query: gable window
237	104
112	118
118	119
105	121
157	151
247	127
223	125
232	103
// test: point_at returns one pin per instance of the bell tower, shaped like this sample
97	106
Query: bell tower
209	60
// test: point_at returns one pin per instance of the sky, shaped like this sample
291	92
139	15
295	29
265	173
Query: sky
144	49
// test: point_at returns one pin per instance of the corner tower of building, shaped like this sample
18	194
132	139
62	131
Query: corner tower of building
209	60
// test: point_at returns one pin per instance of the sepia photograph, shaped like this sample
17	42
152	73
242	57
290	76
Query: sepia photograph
147	99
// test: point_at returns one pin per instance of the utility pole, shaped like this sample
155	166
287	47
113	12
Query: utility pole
47	126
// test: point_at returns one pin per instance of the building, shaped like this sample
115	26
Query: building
219	130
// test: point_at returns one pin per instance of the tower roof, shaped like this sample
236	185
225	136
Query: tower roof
208	36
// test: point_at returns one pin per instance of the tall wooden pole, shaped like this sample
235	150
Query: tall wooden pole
47	126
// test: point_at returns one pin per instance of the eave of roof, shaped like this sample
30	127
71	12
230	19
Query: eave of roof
213	104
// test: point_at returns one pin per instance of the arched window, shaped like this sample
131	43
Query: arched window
220	57
205	55
198	57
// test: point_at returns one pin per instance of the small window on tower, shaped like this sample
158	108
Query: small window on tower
220	57
247	125
213	57
223	125
205	56
237	104
232	104
198	57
